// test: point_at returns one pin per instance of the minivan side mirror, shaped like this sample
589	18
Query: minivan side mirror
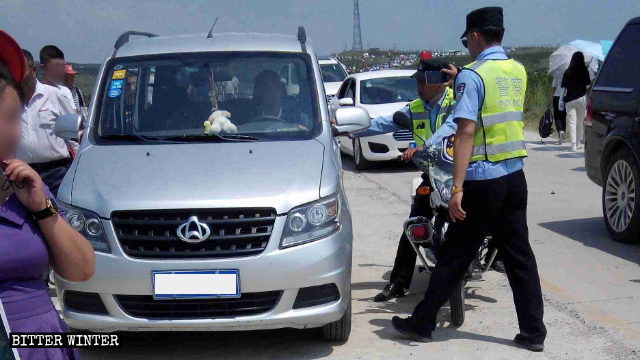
346	101
67	126
350	120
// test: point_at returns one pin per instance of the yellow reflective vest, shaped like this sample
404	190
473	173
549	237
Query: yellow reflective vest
500	134
421	117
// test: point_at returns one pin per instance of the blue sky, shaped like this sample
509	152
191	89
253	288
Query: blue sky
86	30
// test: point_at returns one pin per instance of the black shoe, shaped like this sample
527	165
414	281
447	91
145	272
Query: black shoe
498	266
392	290
528	344
406	329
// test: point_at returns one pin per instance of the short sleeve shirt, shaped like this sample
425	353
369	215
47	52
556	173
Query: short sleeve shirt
469	95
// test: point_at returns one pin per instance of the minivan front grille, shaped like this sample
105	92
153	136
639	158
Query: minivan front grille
403	135
233	232
146	307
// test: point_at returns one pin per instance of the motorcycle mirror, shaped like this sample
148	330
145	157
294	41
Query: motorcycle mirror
402	120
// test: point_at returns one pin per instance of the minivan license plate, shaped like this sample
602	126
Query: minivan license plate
196	284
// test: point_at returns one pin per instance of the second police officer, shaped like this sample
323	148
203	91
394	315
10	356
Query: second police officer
428	113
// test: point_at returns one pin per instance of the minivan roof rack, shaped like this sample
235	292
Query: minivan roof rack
124	38
302	37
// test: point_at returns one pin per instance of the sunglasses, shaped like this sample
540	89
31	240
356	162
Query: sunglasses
465	43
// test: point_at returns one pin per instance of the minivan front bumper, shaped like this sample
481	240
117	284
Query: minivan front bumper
322	262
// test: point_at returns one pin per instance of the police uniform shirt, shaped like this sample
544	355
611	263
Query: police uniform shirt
469	96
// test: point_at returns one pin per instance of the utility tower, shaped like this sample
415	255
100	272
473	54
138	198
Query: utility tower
357	35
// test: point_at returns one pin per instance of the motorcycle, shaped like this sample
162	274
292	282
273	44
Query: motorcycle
426	235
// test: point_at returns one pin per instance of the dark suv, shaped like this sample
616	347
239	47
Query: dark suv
612	128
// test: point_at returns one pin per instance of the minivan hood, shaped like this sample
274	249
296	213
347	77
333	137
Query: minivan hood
278	175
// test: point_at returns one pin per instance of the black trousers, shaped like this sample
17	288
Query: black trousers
560	117
498	206
405	262
52	175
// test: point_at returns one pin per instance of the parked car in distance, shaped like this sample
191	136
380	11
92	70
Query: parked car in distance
333	73
234	229
612	135
380	93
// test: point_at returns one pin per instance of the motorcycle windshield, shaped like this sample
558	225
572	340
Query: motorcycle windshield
437	161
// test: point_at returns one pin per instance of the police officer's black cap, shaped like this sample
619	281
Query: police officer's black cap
428	65
484	18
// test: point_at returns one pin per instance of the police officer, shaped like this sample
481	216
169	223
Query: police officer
428	113
489	193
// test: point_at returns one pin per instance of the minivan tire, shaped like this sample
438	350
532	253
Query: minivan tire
358	156
341	329
622	167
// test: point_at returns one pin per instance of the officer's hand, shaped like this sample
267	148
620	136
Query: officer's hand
408	154
452	72
455	208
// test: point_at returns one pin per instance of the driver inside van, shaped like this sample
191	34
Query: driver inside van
270	99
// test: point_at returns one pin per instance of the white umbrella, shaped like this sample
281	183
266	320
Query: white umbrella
559	61
589	47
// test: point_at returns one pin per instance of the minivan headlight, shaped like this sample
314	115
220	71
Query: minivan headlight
311	221
88	224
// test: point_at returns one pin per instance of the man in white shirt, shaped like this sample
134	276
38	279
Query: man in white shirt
559	116
39	146
52	63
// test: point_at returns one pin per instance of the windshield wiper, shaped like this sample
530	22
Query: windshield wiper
133	137
213	137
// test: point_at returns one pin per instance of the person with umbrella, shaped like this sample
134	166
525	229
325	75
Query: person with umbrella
574	84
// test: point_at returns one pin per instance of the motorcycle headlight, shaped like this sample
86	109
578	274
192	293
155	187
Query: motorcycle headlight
88	224
311	222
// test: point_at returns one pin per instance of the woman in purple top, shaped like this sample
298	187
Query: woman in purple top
32	237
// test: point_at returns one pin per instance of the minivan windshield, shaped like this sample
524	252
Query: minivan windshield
387	90
332	73
268	96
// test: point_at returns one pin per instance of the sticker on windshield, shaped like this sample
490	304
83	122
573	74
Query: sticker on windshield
119	74
114	93
116	84
447	148
367	84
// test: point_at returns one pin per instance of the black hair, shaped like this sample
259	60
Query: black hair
6	80
492	34
50	52
28	57
577	72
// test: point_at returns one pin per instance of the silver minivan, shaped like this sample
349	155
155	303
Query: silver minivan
241	223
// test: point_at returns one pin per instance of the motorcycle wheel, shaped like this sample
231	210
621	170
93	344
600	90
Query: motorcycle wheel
456	304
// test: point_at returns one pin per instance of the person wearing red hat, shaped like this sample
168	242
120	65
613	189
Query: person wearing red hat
33	233
78	97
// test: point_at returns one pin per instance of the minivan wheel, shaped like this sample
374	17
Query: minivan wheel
339	330
358	157
621	215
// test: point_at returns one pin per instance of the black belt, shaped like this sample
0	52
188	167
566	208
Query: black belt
46	166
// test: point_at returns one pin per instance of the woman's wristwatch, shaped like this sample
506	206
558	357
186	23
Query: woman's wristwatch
48	211
455	190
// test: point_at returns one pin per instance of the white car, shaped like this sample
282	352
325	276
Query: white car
381	93
333	73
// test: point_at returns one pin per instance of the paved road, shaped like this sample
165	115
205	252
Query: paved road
591	284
